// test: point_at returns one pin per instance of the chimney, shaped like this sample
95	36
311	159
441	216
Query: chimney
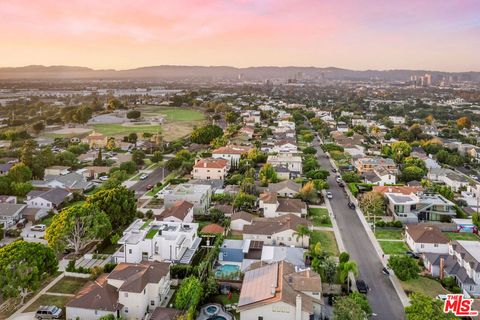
298	307
442	265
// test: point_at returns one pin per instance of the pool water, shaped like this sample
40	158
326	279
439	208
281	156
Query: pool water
226	270
212	309
217	318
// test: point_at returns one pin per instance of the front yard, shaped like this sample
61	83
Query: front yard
48	300
327	241
393	247
388	234
424	285
68	285
319	217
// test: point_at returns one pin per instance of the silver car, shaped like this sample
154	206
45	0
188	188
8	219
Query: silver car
48	312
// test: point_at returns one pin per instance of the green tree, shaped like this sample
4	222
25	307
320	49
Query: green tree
111	145
412	173
302	232
157	156
20	189
19	173
351	176
267	174
205	134
77	226
423	307
373	203
114	104
132	138
244	200
138	157
129	167
38	127
173	164
309	150
118	203
346	308
231	117
23	266
308	192
189	293
67	158
476	219
134	114
405	267
27	152
344	271
362	301
400	150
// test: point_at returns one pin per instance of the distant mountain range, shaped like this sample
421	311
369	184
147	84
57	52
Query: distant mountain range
170	72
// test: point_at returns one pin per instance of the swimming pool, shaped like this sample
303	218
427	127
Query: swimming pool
227	270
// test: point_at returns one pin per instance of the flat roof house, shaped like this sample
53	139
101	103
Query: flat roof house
290	161
413	208
158	241
278	291
197	194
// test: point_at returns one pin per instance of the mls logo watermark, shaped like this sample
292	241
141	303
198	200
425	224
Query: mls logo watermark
459	305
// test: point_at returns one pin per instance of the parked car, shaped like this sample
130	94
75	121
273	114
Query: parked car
143	176
150	187
329	195
334	170
385	271
48	312
412	254
341	185
362	286
474	177
103	178
442	297
38	227
339	179
351	205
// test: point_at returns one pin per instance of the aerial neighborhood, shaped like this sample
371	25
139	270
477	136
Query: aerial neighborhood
233	203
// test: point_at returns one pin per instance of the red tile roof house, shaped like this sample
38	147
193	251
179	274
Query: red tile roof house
130	291
181	211
211	169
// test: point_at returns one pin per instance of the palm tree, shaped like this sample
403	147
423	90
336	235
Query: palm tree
345	269
302	231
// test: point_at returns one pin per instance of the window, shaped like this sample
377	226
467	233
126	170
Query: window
436	245
144	290
130	251
152	302
125	310
422	246
125	294
260	318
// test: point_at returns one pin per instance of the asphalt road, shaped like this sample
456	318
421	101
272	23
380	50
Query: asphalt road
155	176
382	296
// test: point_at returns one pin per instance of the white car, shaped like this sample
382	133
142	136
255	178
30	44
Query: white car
144	176
103	178
474	177
329	195
38	227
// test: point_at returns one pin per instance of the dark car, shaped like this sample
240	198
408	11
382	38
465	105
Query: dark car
412	255
334	170
341	185
351	205
362	286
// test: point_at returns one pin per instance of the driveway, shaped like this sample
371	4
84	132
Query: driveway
25	316
382	295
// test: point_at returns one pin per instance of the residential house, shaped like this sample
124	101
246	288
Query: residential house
226	209
239	220
57	170
181	211
277	231
370	164
4	167
211	169
290	161
10	213
51	199
8	199
286	188
130	291
449	177
95	140
197	194
272	206
284	146
248	131
158	241
431	130
406	190
413	208
231	153
279	291
73	182
380	176
93	172
397	119
342	127
461	262
423	238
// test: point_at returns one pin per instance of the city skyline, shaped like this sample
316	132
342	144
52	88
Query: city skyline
344	34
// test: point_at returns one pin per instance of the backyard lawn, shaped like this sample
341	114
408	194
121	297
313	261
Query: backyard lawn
461	236
69	285
393	247
388	234
326	239
424	285
319	217
48	300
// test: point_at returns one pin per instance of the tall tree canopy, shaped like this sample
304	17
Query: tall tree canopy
118	203
205	134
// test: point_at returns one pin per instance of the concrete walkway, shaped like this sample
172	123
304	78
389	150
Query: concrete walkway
17	314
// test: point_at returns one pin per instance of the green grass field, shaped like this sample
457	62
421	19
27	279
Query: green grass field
388	234
173	114
68	285
48	300
424	285
319	217
393	247
326	239
461	236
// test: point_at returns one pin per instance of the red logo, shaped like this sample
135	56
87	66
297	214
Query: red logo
459	305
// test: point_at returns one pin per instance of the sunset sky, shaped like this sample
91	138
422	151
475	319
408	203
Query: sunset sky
120	34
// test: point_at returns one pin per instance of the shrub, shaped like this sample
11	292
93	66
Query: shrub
405	268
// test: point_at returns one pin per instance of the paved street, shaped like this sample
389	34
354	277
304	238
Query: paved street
155	176
382	296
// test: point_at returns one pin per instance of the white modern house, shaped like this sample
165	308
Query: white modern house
290	161
130	291
158	241
197	194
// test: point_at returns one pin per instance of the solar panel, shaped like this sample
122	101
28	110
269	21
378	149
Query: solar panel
258	284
